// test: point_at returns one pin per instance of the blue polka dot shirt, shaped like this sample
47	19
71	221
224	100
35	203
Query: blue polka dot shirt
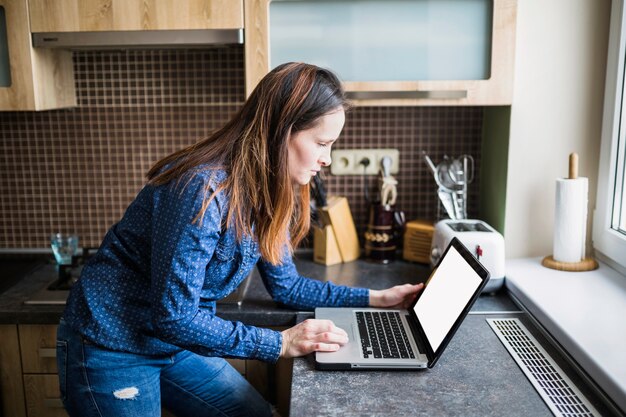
152	286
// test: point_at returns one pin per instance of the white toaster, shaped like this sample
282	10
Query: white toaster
485	243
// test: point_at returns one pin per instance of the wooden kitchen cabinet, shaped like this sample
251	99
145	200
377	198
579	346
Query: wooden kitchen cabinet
38	348
11	387
43	79
39	367
29	385
112	15
42	396
36	79
312	35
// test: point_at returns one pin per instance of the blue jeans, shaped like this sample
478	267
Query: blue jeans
95	381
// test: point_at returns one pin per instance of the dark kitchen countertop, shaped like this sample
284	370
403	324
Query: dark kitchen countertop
257	307
12	271
459	384
475	376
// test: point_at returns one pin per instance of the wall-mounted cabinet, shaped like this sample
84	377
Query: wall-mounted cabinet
107	15
42	79
30	79
397	52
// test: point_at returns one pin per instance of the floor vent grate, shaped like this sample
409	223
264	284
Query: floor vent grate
556	389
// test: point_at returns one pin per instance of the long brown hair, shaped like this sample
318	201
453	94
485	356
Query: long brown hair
252	148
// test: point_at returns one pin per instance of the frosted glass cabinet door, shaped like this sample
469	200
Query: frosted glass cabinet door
395	52
424	39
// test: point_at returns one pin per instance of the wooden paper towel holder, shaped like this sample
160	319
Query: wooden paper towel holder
587	264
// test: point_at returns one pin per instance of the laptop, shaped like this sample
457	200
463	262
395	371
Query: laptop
413	338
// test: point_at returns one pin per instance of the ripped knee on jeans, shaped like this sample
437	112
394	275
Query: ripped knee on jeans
129	393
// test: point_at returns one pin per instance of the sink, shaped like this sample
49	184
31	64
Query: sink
47	295
14	271
52	292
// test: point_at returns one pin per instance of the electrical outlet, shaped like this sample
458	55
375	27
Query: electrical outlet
348	161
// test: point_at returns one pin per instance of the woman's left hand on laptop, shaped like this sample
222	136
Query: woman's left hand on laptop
400	296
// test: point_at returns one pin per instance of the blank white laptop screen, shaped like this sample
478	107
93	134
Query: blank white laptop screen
449	289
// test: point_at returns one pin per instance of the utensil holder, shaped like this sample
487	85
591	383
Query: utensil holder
384	233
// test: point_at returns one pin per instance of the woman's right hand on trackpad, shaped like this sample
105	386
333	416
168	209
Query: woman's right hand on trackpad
312	336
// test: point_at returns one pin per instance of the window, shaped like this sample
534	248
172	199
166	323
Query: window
618	218
609	230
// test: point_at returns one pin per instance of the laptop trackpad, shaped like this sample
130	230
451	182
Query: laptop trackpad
355	333
344	319
351	330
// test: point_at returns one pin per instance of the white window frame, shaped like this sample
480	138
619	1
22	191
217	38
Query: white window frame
610	245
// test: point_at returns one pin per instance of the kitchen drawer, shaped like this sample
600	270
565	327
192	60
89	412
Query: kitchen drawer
38	348
42	396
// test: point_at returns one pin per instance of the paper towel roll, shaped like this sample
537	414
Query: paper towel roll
570	219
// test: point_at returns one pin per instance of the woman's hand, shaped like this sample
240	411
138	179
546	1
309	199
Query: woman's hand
312	335
400	296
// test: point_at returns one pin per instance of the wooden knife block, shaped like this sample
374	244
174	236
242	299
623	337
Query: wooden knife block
325	249
339	226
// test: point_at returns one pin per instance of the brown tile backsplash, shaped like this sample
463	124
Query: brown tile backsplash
78	169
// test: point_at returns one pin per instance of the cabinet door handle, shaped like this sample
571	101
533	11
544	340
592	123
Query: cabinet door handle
52	403
47	352
419	94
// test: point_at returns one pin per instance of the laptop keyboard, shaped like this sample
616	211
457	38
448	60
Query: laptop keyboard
383	335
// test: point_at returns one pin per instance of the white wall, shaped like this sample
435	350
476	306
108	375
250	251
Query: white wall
560	65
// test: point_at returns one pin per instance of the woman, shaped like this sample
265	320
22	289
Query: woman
140	327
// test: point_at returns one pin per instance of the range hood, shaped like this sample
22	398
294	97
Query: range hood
193	38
